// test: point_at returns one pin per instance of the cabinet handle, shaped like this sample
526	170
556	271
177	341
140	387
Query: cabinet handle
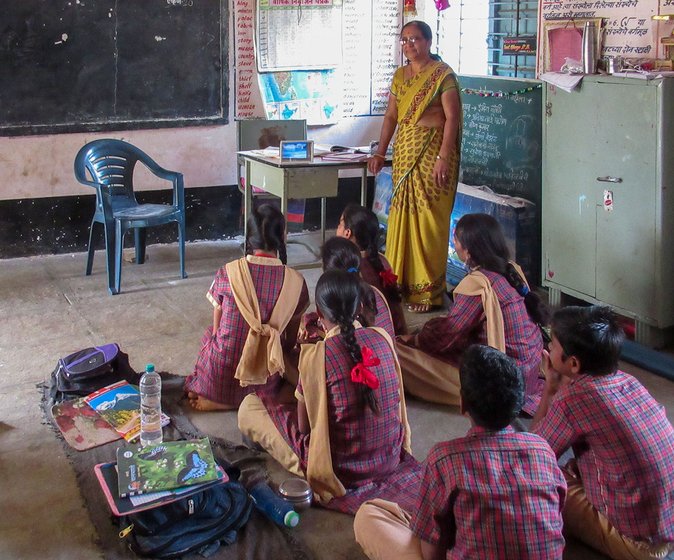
608	179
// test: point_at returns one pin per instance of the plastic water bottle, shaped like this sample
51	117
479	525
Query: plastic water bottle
273	506
150	407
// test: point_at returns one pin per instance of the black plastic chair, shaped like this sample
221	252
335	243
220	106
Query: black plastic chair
108	166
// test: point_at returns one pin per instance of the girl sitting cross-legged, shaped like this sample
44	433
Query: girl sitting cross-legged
257	308
493	305
348	432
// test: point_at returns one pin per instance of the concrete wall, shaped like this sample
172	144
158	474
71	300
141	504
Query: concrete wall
42	166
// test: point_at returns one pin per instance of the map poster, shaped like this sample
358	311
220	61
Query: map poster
313	95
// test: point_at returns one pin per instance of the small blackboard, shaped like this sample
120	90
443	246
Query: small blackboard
501	148
86	65
502	135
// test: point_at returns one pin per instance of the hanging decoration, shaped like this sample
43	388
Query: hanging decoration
410	7
488	93
441	4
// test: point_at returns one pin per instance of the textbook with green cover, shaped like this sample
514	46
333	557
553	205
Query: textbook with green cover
172	464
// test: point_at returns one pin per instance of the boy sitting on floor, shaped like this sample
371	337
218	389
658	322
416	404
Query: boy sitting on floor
621	482
494	493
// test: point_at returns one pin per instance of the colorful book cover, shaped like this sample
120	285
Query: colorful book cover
164	466
82	427
106	473
119	405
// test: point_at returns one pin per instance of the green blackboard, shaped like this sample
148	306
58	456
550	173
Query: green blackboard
501	148
81	65
501	145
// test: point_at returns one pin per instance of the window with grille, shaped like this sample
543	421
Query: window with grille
469	35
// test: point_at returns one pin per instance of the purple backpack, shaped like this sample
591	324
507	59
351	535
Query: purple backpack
89	363
88	370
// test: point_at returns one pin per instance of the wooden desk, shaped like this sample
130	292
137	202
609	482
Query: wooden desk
315	179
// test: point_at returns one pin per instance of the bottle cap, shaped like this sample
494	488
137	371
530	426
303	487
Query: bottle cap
149	367
291	519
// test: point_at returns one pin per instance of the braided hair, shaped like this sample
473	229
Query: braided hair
481	235
266	231
340	254
364	225
338	299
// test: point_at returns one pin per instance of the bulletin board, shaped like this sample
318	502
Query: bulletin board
76	65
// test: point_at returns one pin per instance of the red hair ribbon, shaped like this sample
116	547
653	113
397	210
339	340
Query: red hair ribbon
360	373
388	278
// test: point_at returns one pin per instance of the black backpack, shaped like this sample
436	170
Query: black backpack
200	522
86	371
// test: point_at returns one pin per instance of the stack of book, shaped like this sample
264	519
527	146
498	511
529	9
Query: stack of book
108	414
148	477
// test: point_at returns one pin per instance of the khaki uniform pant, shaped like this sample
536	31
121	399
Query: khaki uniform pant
584	522
256	424
428	378
382	529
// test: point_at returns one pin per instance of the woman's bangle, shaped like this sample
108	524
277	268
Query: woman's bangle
379	155
441	157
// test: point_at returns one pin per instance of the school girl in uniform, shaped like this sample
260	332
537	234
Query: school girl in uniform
361	226
492	305
258	304
348	432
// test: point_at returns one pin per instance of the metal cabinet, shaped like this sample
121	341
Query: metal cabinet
608	197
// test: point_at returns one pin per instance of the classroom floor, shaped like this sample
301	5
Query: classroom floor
50	309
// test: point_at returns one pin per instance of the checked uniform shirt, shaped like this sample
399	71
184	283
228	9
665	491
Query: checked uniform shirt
496	495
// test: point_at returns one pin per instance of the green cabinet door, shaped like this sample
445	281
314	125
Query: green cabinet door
569	198
626	224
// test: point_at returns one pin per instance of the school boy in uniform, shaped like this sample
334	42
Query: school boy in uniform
494	493
621	482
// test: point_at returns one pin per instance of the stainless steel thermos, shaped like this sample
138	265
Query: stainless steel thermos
590	48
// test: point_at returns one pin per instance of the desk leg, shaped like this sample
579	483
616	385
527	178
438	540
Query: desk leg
363	187
323	213
284	200
247	200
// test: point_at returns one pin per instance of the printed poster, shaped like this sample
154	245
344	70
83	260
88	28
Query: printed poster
314	95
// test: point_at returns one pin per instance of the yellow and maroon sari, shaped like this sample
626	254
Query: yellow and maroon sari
418	223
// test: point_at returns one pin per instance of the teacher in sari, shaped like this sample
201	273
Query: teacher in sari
425	107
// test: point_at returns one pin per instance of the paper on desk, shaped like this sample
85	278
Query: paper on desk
344	156
562	80
271	151
320	149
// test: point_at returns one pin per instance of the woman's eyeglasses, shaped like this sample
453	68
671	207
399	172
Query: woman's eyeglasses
410	40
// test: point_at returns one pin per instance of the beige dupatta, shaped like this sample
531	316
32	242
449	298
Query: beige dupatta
262	354
320	473
477	284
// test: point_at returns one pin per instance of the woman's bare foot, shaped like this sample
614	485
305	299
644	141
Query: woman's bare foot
419	307
204	405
